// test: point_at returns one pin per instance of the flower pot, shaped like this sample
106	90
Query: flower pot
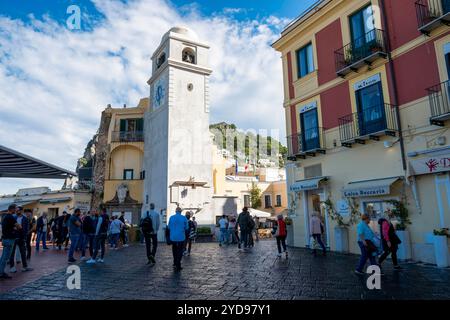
290	235
404	249
341	239
441	251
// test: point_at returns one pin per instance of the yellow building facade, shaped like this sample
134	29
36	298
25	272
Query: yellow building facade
367	109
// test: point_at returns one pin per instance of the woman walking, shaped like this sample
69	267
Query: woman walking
280	234
316	230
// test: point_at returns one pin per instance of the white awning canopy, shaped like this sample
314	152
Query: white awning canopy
259	213
308	184
369	188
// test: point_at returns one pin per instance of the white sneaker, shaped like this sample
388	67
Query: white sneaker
83	258
13	270
90	261
279	255
125	245
101	260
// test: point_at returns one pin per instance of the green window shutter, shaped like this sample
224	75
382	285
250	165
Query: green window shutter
123	125
140	125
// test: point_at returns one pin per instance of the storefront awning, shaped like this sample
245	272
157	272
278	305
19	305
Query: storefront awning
308	184
55	200
4	206
369	188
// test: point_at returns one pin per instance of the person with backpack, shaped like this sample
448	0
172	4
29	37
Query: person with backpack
244	221
178	225
316	230
149	226
101	233
389	240
9	229
280	233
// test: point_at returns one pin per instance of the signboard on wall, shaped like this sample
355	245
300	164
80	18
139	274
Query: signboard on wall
343	208
367	82
308	107
430	165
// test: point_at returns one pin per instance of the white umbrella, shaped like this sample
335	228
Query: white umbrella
259	213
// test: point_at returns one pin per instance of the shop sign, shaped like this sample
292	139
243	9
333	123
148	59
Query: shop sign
343	208
367	192
431	165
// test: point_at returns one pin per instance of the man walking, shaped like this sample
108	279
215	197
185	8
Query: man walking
101	233
74	226
244	224
41	230
365	238
9	226
389	239
150	225
223	225
21	235
123	232
178	225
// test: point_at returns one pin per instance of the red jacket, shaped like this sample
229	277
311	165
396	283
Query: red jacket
281	228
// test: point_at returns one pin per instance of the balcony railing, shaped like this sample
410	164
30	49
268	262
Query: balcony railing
370	123
431	14
362	51
127	136
306	143
439	96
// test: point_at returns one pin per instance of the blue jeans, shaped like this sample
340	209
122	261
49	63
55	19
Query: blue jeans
364	256
244	237
74	239
115	239
41	236
6	254
87	239
223	235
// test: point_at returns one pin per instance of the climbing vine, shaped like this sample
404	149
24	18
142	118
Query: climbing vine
355	214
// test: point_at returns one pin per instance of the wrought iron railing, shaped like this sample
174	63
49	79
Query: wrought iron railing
430	10
439	96
127	136
367	122
309	140
359	49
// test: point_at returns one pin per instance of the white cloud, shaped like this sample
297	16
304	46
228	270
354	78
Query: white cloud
55	82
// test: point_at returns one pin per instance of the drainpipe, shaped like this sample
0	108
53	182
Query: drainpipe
393	79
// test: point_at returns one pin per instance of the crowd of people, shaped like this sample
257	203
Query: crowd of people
89	233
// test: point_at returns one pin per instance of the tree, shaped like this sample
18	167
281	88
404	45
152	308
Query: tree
255	196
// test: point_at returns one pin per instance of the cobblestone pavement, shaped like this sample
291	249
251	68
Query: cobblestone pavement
225	273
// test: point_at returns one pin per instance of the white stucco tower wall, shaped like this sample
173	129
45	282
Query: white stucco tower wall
177	138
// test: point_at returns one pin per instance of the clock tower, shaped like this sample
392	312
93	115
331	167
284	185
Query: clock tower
177	157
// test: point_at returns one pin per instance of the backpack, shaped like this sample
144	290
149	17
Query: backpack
147	224
251	223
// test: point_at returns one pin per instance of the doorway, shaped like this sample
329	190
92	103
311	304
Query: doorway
315	205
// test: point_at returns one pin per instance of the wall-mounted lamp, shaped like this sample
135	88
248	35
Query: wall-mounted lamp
388	144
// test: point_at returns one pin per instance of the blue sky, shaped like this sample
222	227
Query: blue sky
249	9
55	82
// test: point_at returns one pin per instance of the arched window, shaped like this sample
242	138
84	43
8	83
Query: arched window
189	56
161	59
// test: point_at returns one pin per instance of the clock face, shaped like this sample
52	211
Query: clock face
159	93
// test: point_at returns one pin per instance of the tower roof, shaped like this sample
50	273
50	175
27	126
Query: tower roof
181	31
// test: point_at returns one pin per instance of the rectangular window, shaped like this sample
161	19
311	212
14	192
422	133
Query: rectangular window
268	201
246	200
305	60
132	125
278	200
362	26
371	112
128	174
313	171
310	130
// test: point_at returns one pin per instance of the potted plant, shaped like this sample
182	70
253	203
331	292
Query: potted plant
441	247
341	229
204	234
400	211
